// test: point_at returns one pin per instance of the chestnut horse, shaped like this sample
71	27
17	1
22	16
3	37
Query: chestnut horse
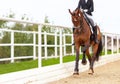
84	38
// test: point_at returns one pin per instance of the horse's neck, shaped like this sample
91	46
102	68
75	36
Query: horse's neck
85	24
86	28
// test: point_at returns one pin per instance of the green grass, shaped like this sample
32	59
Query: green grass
13	67
51	61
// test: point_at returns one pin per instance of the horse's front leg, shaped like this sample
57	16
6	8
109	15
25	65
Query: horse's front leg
76	70
84	49
84	61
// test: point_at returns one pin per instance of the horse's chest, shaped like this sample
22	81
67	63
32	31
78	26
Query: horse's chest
81	39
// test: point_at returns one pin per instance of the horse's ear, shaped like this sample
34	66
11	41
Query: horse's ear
77	11
70	11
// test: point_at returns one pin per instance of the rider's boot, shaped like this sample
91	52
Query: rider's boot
95	34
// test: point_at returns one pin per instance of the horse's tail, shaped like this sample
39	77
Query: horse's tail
100	47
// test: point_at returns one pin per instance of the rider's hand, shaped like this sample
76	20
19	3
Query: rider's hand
82	10
85	10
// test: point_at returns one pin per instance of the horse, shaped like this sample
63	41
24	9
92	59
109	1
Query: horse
84	38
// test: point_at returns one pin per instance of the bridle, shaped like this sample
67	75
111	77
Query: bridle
80	27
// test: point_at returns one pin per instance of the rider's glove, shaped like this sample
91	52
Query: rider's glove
85	10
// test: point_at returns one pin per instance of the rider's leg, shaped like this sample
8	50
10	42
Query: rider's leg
94	28
95	33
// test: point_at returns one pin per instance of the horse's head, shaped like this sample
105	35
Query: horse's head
77	17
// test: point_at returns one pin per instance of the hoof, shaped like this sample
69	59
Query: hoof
75	73
90	73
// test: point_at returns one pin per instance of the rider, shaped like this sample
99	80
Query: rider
88	7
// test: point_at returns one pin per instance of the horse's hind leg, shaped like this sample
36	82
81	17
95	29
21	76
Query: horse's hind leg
89	59
88	55
95	47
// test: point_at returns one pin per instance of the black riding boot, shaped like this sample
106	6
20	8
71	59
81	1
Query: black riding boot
95	34
73	32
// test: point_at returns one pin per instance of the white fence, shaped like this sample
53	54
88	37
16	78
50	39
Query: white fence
34	44
38	44
111	39
43	75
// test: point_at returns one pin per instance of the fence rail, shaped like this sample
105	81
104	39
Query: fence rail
111	41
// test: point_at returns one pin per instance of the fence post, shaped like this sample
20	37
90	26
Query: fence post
117	44
112	44
105	44
61	58
34	47
64	44
45	43
39	46
72	40
55	44
12	46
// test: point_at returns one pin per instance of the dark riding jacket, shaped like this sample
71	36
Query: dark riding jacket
89	5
